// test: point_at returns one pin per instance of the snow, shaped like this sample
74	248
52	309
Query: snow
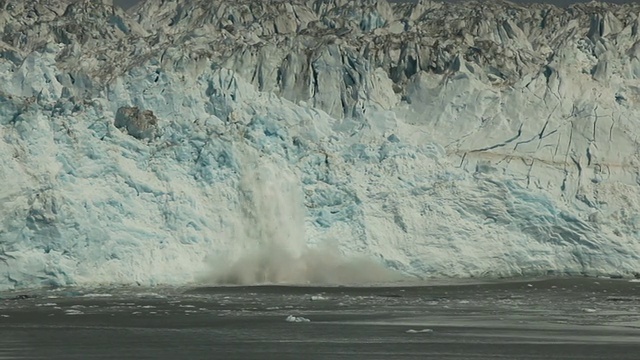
285	142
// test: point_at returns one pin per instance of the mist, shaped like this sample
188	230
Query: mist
321	266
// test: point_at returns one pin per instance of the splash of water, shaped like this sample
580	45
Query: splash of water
272	243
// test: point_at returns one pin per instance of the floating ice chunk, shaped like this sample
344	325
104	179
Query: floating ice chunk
318	298
412	331
589	310
292	318
97	295
73	312
151	295
47	304
4	316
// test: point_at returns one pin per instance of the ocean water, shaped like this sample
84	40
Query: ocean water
574	318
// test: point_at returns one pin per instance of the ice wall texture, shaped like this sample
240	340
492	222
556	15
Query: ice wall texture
437	139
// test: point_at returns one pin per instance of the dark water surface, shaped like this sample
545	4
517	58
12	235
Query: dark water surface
582	318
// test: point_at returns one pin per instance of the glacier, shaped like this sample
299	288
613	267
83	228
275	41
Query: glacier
197	141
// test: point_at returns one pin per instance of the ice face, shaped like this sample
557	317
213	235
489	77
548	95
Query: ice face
316	141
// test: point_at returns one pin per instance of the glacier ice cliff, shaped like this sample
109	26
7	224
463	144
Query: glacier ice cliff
165	144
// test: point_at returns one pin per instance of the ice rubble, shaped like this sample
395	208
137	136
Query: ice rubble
475	139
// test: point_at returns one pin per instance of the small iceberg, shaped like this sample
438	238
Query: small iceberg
297	319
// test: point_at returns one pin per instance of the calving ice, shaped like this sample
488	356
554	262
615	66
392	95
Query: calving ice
261	142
